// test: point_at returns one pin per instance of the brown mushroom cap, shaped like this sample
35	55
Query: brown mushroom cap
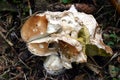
33	27
40	49
67	49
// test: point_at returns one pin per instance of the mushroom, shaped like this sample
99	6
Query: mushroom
62	37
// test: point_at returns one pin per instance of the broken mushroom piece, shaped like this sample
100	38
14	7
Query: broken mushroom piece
63	37
53	65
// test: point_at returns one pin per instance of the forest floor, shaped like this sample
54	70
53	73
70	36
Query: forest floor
17	63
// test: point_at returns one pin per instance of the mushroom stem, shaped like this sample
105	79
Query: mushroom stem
53	65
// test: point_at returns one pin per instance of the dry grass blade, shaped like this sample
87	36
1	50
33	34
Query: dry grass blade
93	67
29	6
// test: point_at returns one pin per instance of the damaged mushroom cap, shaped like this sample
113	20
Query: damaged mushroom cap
35	27
70	33
40	49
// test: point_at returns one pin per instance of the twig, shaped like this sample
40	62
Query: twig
5	72
91	58
103	14
115	55
102	7
29	6
117	22
1	29
3	36
24	64
25	76
17	76
93	67
9	31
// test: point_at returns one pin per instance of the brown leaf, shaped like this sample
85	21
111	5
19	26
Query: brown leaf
82	7
116	4
80	77
87	8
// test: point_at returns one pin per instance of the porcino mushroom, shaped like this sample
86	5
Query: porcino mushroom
63	37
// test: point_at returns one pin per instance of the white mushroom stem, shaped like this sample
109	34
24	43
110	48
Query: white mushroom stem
53	65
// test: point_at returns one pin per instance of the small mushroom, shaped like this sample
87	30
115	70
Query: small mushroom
62	37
